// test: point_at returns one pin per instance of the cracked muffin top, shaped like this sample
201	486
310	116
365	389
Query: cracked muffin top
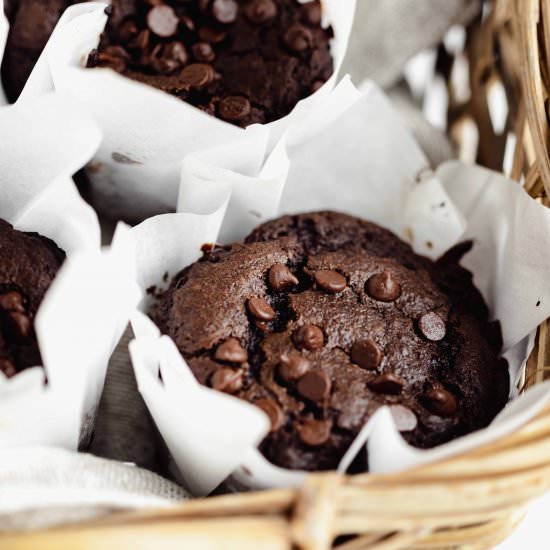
243	61
319	319
28	266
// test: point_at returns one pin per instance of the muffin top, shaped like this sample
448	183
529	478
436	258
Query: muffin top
28	265
319	319
31	24
244	61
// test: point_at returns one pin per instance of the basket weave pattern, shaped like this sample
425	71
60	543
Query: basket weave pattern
471	501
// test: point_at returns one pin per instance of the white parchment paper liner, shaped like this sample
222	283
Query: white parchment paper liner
367	164
147	132
86	308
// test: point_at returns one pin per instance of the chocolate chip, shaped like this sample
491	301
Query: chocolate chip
159	62
432	326
298	38
440	402
234	108
281	278
227	380
314	432
188	23
7	367
309	337
162	21
260	309
293	366
174	55
383	287
314	385
208	34
261	11
225	11
12	301
331	281
231	351
386	383
203	52
312	13
20	323
197	75
405	420
367	354
273	411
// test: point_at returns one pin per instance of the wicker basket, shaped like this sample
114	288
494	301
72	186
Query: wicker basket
471	501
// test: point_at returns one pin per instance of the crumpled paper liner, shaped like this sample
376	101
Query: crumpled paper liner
87	307
147	133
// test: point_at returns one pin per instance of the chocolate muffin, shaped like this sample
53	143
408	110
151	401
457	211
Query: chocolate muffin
31	24
244	61
319	319
28	265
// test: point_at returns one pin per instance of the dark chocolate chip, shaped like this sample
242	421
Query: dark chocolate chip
260	309
432	326
175	55
227	380
405	420
197	75
440	402
309	337
331	281
298	38
312	13
281	278
12	301
293	366
234	108
367	354
231	351
168	58
261	11
386	383
188	23
203	52
314	385
225	11
273	411
314	432
383	287
162	21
